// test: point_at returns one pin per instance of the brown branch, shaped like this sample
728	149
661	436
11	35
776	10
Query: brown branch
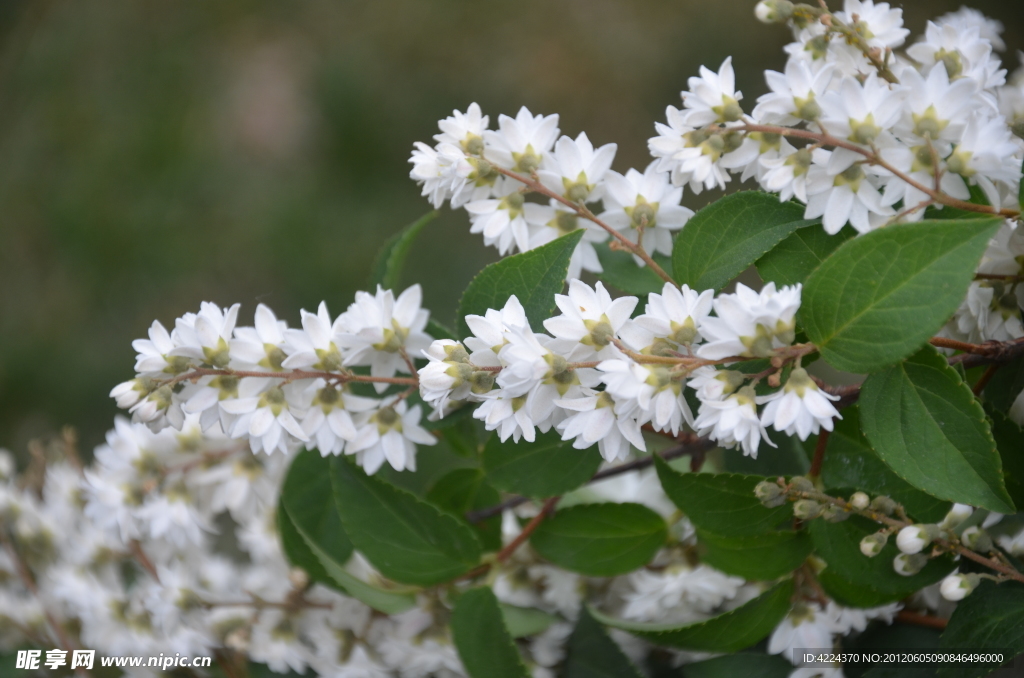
819	454
908	617
943	342
549	507
983	380
996	276
291	375
136	550
581	210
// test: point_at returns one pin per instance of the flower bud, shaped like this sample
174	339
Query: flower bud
958	514
909	564
883	504
976	539
834	514
801	484
770	494
860	500
913	538
873	544
806	509
773	11
298	578
958	586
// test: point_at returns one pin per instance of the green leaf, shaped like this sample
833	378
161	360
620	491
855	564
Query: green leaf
547	467
1010	443
850	463
590	653
464	490
387	267
534	277
484	643
729	632
991	618
439	331
407	539
977	197
873	581
747	665
720	241
882	295
462	437
308	497
1006	384
721	503
525	621
924	422
600	540
621	271
761	557
789	459
793	259
308	556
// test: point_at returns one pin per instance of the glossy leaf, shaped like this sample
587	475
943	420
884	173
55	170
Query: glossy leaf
722	240
1006	384
481	638
525	621
600	540
309	498
406	538
882	295
793	259
387	267
927	426
838	544
1010	442
464	490
991	618
590	653
851	464
544	468
728	632
761	557
621	271
534	277
721	503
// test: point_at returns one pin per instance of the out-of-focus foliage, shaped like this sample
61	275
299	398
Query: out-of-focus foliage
157	154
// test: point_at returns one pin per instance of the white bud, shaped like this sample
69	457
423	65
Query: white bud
977	539
298	578
958	514
913	538
958	586
909	564
873	544
860	500
7	465
126	394
773	11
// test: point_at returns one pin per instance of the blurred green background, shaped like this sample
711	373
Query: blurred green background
157	154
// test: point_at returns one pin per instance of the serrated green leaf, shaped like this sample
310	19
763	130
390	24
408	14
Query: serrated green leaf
1009	439
729	632
600	540
760	557
621	271
387	267
309	499
721	503
481	638
793	259
874	581
307	555
722	240
525	621
850	463
534	277
1006	384
547	467
407	539
927	426
466	489
881	296
991	618
590	653
745	665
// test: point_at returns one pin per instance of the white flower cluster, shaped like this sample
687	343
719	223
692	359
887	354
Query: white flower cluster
471	166
280	388
599	376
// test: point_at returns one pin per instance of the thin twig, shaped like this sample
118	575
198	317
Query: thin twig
983	380
819	454
908	617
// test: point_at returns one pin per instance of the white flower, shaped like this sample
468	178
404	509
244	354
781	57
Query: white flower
795	95
733	421
449	374
383	332
502	220
446	173
673	318
316	344
712	97
987	153
548	222
647	201
576	170
328	421
935	108
913	538
967	17
658	596
596	419
264	414
787	173
749	323
155	357
692	155
654	389
522	143
390	434
205	336
464	129
800	408
879	25
490	330
260	347
806	625
508	414
842	192
712	384
589	321
962	50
